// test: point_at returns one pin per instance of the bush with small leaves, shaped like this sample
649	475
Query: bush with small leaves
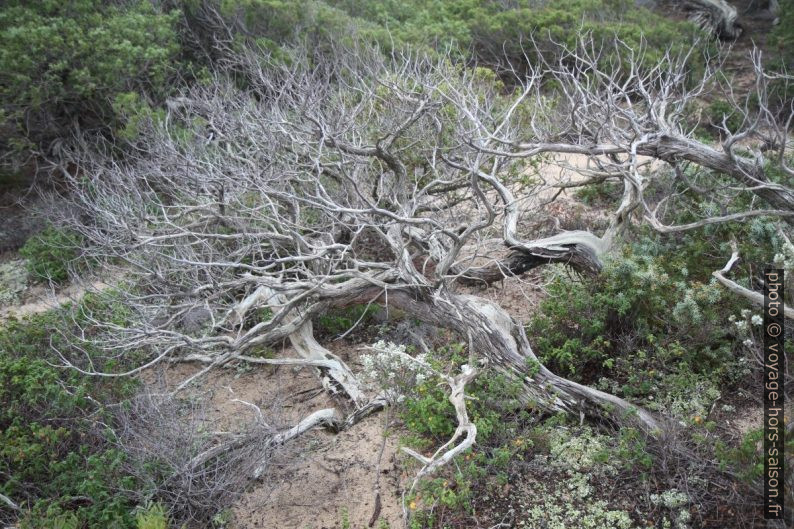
722	114
50	254
153	516
494	405
341	321
55	457
64	62
636	323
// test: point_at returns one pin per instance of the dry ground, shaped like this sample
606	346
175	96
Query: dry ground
316	481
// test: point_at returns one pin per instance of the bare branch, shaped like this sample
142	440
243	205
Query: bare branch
756	298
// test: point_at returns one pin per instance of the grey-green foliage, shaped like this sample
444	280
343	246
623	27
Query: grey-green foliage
50	254
13	281
582	457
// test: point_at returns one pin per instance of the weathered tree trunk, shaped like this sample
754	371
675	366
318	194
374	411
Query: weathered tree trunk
501	340
745	171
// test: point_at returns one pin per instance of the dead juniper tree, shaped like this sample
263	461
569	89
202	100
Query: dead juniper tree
271	195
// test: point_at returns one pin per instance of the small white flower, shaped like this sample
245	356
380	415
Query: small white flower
745	313
748	343
732	318
757	319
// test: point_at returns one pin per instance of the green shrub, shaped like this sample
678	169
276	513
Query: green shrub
631	451
106	66
275	26
507	32
781	51
152	517
494	405
63	62
603	194
640	321
338	321
720	111
499	30
50	253
783	34
52	519
53	451
746	458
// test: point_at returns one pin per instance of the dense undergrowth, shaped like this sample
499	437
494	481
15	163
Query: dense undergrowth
50	253
56	460
654	330
65	454
538	471
106	66
654	327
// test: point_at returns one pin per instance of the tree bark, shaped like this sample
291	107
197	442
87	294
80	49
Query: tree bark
501	340
672	148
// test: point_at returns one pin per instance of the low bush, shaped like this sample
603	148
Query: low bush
54	456
153	516
50	254
655	321
63	62
494	406
82	451
783	33
337	322
630	322
723	114
603	194
508	32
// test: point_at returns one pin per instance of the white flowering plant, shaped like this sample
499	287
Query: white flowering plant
785	258
747	328
392	371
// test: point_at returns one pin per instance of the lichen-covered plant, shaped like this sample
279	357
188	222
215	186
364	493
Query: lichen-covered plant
13	281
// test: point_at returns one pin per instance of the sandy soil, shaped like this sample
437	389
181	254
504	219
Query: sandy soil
316	481
41	298
325	480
